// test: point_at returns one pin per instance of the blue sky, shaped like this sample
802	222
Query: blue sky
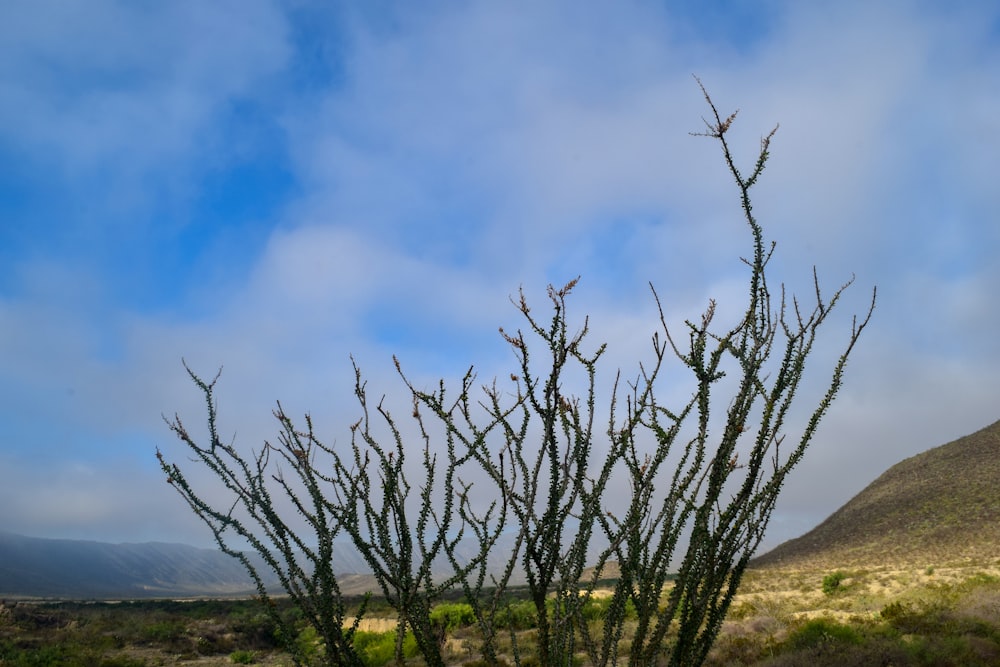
274	186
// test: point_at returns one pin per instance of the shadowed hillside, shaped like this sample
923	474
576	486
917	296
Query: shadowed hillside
939	507
82	569
77	569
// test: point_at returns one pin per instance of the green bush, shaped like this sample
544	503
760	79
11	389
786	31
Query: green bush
121	661
597	608
164	632
64	655
379	648
831	582
894	611
309	644
519	615
242	657
452	615
257	629
932	619
823	631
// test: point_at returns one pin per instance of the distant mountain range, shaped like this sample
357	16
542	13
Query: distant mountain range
939	507
77	569
32	567
936	508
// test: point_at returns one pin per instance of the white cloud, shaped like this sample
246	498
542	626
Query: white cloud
467	151
114	99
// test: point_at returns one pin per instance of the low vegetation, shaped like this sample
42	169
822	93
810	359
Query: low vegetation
934	615
867	616
129	634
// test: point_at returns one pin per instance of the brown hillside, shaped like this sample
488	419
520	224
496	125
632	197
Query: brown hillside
936	508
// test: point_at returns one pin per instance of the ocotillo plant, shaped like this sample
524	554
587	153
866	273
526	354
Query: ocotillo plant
721	502
586	483
367	498
543	470
251	517
684	473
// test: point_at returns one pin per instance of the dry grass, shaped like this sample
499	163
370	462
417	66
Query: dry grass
955	605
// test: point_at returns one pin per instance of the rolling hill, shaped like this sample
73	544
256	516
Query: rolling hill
936	508
79	569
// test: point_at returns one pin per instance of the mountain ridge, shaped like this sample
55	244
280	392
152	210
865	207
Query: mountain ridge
65	569
85	569
34	567
938	507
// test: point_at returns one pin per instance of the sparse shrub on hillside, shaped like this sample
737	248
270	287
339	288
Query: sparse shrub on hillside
242	657
821	631
832	582
167	631
581	477
258	628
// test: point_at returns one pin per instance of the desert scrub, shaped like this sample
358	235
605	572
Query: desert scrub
243	657
516	615
63	654
379	648
832	582
450	616
596	608
823	631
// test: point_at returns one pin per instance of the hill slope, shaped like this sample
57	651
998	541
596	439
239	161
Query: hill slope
35	567
941	506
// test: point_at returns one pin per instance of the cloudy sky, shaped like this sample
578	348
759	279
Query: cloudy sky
274	186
